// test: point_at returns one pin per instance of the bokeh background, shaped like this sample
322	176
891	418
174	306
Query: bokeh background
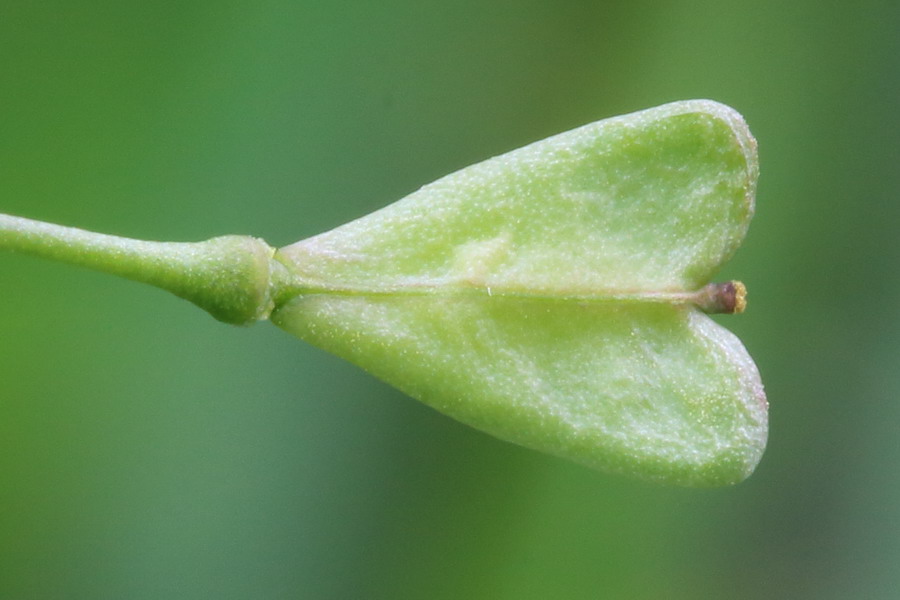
147	451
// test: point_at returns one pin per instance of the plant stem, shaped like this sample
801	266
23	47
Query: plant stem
231	277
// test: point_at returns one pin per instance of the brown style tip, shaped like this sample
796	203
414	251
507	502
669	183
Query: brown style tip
722	298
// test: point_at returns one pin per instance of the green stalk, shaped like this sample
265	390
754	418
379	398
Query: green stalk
231	277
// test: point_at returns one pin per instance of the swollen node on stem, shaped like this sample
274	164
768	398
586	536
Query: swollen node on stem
230	277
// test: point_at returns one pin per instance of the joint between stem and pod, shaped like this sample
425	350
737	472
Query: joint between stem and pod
230	277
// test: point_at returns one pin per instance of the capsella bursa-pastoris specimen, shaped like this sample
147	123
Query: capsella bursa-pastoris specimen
553	296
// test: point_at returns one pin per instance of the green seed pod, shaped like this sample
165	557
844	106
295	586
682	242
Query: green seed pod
551	296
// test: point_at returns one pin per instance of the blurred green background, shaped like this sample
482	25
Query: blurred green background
147	451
